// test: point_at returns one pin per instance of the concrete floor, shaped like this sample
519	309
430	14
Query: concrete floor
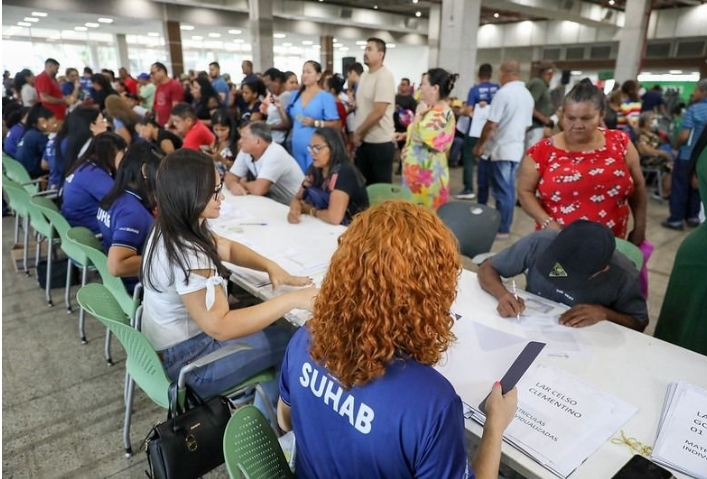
62	409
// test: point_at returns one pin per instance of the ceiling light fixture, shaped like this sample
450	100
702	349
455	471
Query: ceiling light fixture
279	35
317	47
338	45
24	24
675	72
307	42
92	25
105	20
418	14
235	32
496	15
186	27
287	44
344	49
153	34
415	1
31	19
197	37
39	14
361	42
238	40
390	45
214	35
375	7
80	29
611	2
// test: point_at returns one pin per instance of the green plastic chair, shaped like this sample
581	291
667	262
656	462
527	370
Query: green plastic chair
380	192
17	172
631	251
18	200
92	247
74	253
143	365
251	449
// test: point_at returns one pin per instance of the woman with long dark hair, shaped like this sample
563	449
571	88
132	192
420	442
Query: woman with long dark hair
15	124
24	87
90	178
249	107
225	147
186	311
102	89
125	214
30	149
165	140
309	108
206	99
333	189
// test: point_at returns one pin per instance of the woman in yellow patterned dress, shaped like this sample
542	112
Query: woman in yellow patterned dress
429	137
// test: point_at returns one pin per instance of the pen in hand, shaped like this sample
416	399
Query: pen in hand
515	295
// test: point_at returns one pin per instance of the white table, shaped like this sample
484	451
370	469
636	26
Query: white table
630	365
311	237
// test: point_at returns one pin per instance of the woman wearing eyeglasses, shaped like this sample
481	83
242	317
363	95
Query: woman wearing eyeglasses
333	189
186	310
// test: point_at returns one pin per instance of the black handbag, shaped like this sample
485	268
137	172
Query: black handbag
190	442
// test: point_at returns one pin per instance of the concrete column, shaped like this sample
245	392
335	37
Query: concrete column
326	42
123	56
632	41
459	26
174	43
261	29
433	35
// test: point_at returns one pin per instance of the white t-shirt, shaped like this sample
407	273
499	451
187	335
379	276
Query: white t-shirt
277	166
274	117
166	321
512	108
28	94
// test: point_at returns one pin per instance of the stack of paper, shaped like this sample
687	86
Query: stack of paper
297	262
682	431
561	420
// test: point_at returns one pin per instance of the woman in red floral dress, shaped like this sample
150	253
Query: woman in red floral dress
584	172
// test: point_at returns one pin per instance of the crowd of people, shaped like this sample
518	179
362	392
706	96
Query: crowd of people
143	162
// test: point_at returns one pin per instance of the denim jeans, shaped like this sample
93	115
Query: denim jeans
268	350
483	179
455	152
684	199
503	184
468	161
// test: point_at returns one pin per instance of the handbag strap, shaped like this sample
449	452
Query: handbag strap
191	400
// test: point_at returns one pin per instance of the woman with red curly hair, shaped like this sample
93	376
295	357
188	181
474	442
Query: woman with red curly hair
358	385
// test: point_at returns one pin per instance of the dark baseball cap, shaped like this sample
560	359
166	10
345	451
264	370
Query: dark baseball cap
577	253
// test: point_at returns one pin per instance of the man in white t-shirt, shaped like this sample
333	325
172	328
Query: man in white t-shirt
375	103
263	167
502	140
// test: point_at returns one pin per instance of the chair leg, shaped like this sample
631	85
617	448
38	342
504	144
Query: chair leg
272	417
48	281
26	245
37	250
17	228
128	418
82	313
67	288
109	359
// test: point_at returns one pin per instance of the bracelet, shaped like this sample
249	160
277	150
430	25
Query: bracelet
313	212
546	223
316	123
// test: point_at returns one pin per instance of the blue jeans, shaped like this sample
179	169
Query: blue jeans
268	350
483	181
684	199
503	184
456	152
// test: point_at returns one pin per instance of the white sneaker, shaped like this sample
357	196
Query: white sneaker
465	196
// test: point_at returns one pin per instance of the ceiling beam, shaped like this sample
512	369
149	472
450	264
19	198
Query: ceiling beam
570	10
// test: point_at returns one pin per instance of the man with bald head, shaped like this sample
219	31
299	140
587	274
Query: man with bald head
502	140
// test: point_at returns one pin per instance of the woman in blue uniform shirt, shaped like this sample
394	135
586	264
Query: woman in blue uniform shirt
125	215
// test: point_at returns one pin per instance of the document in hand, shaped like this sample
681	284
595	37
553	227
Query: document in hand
682	432
561	420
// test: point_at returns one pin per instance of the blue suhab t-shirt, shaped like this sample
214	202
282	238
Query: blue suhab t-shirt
406	424
83	190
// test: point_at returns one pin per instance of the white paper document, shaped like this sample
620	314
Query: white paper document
682	432
561	420
478	120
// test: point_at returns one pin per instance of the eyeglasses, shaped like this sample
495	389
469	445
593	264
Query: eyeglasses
217	190
316	148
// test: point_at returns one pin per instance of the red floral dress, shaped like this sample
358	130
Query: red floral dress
590	185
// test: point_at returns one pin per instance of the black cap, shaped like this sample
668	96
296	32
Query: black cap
579	251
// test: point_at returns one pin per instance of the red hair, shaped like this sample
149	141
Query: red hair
387	294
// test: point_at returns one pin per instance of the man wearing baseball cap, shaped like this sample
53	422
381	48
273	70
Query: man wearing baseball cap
577	266
146	91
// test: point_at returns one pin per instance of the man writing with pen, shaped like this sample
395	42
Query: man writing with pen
577	266
263	167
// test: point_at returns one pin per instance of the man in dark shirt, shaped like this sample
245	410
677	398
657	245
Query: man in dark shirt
404	99
652	100
577	266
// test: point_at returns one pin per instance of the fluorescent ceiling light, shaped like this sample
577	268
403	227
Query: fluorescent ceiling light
105	20
31	19
235	32
186	27
287	44
317	47
24	24
39	14
361	42
80	29
238	40
307	42
153	34
214	35
92	25
675	72
390	45
279	35
576	72
197	37
344	49
418	14
496	15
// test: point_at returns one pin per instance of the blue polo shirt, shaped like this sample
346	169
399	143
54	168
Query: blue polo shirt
221	87
407	423
483	91
56	171
30	151
695	120
126	223
83	191
12	139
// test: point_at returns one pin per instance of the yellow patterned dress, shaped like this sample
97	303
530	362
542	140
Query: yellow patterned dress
425	169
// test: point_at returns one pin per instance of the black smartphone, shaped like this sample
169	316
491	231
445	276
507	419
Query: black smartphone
638	467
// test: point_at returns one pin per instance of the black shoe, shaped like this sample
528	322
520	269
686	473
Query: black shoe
693	222
672	226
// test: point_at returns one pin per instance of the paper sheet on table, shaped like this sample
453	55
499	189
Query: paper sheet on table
297	262
561	420
478	120
682	432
